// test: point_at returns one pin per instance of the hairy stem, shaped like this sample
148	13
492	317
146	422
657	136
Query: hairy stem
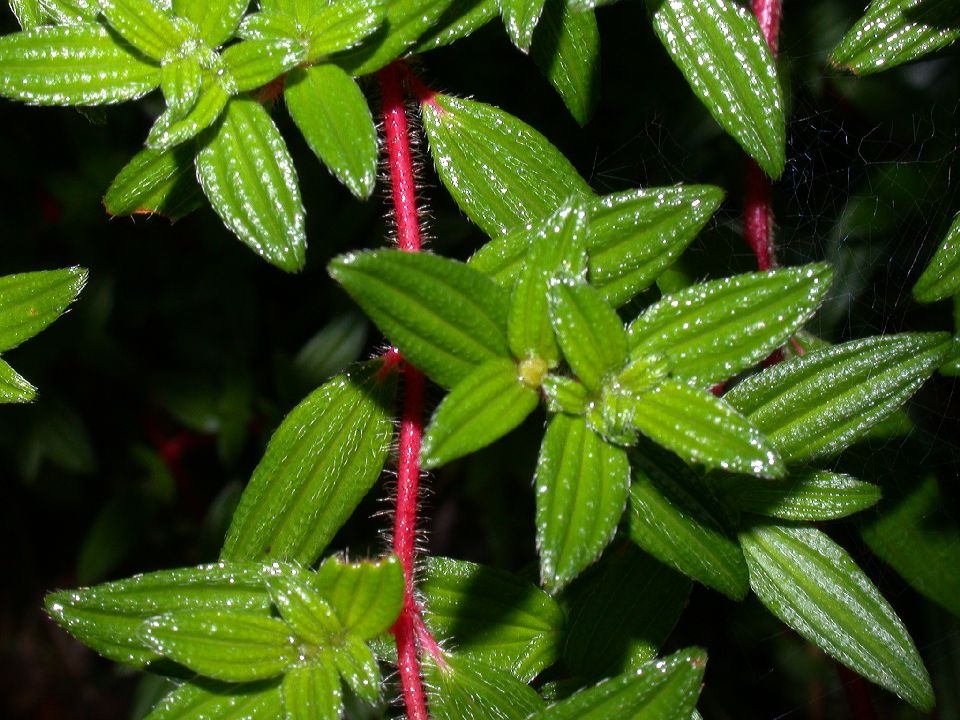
409	626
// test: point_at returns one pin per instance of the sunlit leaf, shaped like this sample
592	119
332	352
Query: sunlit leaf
172	128
312	691
91	67
718	46
341	25
30	301
180	80
142	24
445	317
581	490
247	173
520	17
319	464
463	18
499	170
492	616
367	595
215	19
254	63
816	405
815	587
303	610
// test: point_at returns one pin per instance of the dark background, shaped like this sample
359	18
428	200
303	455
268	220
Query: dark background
160	388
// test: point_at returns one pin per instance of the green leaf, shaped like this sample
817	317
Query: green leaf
483	407
462	688
520	17
634	236
90	67
672	518
71	12
13	387
816	405
231	645
658	690
247	173
581	489
711	331
269	26
108	617
621	612
29	13
445	317
180	80
142	24
313	691
499	170
254	63
492	616
358	667
701	428
803	495
893	32
917	536
332	113
815	587
462	18
718	46
215	19
31	301
319	464
161	182
566	48
367	595
565	395
342	25
171	128
204	699
306	613
589	331
941	278
555	252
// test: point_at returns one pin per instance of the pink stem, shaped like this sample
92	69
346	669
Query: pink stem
409	627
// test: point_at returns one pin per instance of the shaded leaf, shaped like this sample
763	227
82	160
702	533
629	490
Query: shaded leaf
461	688
483	407
358	667
581	490
367	595
711	331
247	173
161	182
332	113
718	46
313	691
90	67
31	301
499	170
816	405
672	518
815	587
319	464
462	18
941	278
203	699
445	317
492	616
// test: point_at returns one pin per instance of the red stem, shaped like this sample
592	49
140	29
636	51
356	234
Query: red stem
409	627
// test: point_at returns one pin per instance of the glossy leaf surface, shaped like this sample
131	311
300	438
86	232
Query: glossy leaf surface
342	25
247	173
108	617
367	595
445	317
483	407
90	67
462	18
581	489
230	645
312	691
466	688
711	331
332	113
180	80
589	332
803	495
142	24
319	464
172	128
893	32
358	667
815	587
30	301
718	46
492	616
161	182
499	170
816	405
701	428
621	611
658	690
672	518
254	63
520	18
916	535
215	19
196	699
941	278
307	614
13	387
566	48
